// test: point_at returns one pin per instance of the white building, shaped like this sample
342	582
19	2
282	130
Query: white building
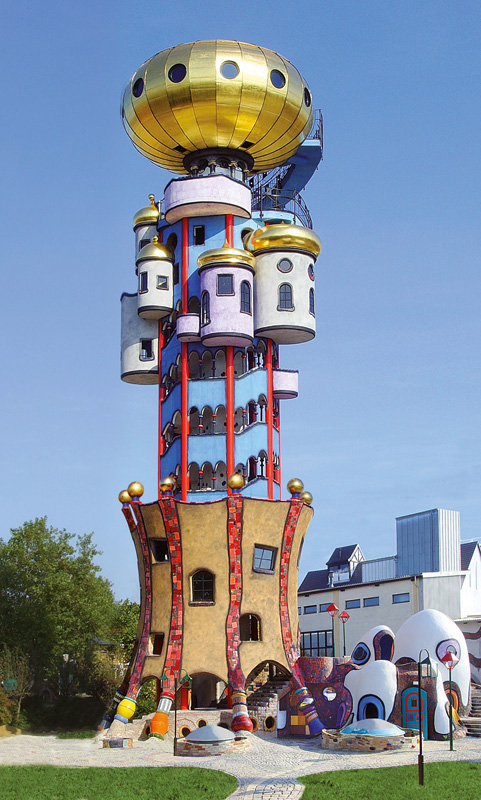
431	569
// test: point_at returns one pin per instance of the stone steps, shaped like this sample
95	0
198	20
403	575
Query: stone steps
472	725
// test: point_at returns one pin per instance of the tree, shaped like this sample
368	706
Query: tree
16	676
53	601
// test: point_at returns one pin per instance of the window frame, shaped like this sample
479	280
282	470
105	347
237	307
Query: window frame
146	358
143	243
353	603
323	607
312	306
245	285
285	271
307	609
143	278
193	589
195	229
280	306
401	594
224	275
367	604
262	570
164	278
154	543
205	308
318	641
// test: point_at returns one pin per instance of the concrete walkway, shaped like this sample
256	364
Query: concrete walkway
267	771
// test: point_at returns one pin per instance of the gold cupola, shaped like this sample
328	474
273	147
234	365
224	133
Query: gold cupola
148	215
215	96
283	237
155	250
226	255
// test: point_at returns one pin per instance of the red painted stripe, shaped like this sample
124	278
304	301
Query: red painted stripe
270	423
229	409
279	478
161	397
185	265
185	423
229	229
236	677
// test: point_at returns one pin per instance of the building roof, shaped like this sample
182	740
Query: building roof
467	552
342	554
318	580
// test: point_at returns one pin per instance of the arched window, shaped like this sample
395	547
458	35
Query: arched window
205	303
311	301
203	586
250	628
245	297
285	297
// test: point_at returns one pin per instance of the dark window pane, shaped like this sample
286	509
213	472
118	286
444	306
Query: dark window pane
160	549
264	559
285	295
199	234
371	601
144	282
401	598
245	297
353	604
225	284
203	587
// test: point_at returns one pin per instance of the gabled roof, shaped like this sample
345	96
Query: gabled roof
341	555
467	552
314	581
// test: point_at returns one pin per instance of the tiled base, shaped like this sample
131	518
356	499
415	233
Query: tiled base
362	743
238	745
117	743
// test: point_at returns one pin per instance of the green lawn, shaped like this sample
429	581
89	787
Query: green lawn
114	783
443	779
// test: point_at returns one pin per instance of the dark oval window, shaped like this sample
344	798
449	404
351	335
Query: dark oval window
284	265
361	654
138	87
307	97
177	73
277	79
229	70
310	271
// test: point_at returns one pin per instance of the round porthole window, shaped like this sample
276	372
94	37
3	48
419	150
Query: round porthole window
307	97
138	87
229	70
185	730
177	73
277	79
284	265
310	271
361	654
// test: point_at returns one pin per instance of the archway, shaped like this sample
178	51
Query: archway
207	690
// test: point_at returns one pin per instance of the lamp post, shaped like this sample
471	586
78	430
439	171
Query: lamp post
344	616
450	660
332	610
430	671
183	679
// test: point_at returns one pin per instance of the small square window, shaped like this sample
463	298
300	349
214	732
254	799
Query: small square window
264	559
370	601
162	282
176	273
146	350
353	604
199	234
160	549
225	284
143	242
310	609
157	643
143	282
401	598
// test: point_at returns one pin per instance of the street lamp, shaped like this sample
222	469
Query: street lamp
344	616
183	679
332	610
450	660
428	668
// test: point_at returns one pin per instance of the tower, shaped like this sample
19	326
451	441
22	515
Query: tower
225	270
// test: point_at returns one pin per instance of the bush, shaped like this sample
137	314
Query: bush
6	709
67	714
147	699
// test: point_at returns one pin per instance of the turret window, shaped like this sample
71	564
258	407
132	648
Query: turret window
285	297
143	242
245	297
146	350
203	587
162	282
160	549
264	558
205	308
284	265
143	282
250	628
225	284
311	301
199	234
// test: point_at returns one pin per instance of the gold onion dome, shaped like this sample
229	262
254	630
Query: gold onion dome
295	486
226	255
235	481
155	250
306	497
148	215
125	497
135	489
216	95
283	237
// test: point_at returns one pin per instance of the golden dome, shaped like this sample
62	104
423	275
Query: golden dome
125	497
306	497
226	255
217	95
135	489
283	237
148	215
235	481
155	250
295	486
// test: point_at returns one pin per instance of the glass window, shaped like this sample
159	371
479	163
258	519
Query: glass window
277	79
264	558
284	265
202	587
138	87
146	350
311	301
401	598
205	308
143	242
353	604
250	628
229	70
245	297
310	271
310	609
177	73
162	282
317	643
370	601
199	234
324	606
285	296
160	549
157	642
225	284
143	282
299	610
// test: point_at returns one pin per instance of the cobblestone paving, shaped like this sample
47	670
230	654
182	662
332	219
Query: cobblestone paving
267	771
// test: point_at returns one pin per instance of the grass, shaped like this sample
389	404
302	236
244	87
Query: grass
442	779
114	783
76	734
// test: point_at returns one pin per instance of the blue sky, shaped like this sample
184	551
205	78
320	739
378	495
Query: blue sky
387	421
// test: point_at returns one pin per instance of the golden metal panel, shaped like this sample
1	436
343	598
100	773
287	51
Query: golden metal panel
201	68
179	97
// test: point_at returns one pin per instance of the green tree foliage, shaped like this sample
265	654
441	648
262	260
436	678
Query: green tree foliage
16	676
125	625
52	598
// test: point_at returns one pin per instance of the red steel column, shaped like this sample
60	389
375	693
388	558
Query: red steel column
270	423
229	229
280	462
229	409
185	364
161	397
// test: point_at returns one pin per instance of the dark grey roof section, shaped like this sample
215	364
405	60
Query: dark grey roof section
314	581
341	555
467	552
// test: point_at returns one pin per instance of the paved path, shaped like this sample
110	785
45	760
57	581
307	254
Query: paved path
267	771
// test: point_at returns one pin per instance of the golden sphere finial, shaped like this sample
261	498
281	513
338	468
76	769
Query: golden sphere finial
235	481
155	239
306	497
295	486
135	489
167	483
152	199
124	496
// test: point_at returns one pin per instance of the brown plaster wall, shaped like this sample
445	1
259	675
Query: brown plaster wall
305	518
